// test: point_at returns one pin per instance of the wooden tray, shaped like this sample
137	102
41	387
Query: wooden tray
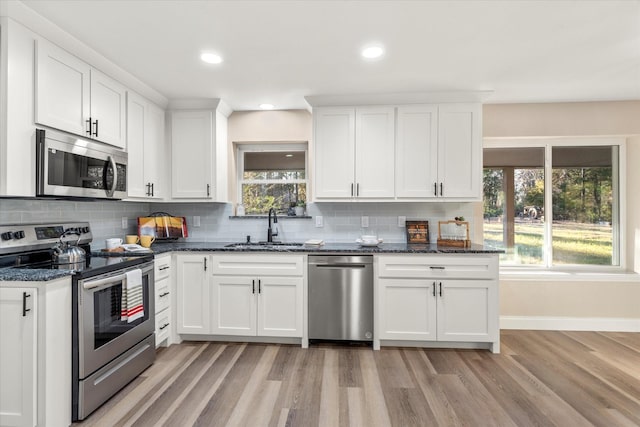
461	238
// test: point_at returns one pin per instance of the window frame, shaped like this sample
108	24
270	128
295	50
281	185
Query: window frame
242	148
619	217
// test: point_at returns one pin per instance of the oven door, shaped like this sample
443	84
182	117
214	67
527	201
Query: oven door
102	335
68	166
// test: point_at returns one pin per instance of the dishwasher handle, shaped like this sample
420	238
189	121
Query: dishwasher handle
340	265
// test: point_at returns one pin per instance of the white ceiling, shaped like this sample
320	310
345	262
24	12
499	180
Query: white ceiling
280	51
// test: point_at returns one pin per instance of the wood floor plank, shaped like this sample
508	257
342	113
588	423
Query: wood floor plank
330	391
541	378
218	409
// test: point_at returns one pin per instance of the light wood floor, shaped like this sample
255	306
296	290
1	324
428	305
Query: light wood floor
540	379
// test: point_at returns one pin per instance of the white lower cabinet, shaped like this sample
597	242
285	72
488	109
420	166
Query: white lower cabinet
439	298
162	273
258	295
257	306
18	356
35	353
193	303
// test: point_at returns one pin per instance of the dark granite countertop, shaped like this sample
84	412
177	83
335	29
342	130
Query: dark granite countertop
31	275
383	248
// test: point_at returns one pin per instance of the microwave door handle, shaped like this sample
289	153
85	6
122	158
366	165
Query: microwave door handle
92	284
111	190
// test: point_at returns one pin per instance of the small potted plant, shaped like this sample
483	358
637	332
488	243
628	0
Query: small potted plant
300	207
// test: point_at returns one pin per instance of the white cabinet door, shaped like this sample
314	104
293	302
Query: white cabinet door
137	185
460	151
193	294
334	142
18	357
375	151
191	154
62	90
417	152
407	309
233	305
154	151
280	306
145	146
467	310
108	110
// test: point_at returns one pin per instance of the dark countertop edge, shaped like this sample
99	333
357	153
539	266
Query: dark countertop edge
10	274
390	248
40	275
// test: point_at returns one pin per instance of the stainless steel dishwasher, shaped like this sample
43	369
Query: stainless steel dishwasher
341	298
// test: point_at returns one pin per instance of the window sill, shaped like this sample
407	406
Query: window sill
528	275
266	216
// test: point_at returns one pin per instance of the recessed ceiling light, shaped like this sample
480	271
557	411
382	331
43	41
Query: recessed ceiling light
266	106
288	155
372	52
211	58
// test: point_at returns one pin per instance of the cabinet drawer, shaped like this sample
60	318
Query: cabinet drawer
163	294
459	266
260	265
163	325
162	266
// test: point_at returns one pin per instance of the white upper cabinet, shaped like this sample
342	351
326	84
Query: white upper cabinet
354	151
439	152
375	151
460	151
408	152
417	151
334	144
199	152
73	97
192	138
145	146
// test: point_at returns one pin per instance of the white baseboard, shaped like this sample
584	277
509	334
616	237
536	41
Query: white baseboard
602	324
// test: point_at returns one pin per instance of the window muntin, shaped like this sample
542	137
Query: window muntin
573	189
271	176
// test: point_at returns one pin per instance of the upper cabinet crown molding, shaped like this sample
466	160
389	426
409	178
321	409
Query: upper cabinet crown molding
403	98
201	104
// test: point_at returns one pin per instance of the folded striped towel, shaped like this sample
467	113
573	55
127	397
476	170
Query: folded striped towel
132	307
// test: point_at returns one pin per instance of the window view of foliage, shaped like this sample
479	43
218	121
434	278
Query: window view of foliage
583	204
262	190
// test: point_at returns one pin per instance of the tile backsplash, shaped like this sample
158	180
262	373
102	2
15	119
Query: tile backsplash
342	221
105	217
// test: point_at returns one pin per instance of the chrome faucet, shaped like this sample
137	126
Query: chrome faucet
270	233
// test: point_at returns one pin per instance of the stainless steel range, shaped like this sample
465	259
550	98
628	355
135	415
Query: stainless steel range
113	307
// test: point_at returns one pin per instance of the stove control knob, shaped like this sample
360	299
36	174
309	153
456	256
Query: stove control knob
6	236
85	229
18	235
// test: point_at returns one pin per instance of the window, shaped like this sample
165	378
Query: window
271	176
553	204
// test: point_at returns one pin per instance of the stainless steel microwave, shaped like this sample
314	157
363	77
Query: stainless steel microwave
68	166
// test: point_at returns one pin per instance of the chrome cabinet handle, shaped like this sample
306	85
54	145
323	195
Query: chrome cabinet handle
358	190
352	189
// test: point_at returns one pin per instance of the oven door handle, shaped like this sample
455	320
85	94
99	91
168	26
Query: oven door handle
92	284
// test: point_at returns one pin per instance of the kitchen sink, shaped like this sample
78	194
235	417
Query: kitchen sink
265	245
